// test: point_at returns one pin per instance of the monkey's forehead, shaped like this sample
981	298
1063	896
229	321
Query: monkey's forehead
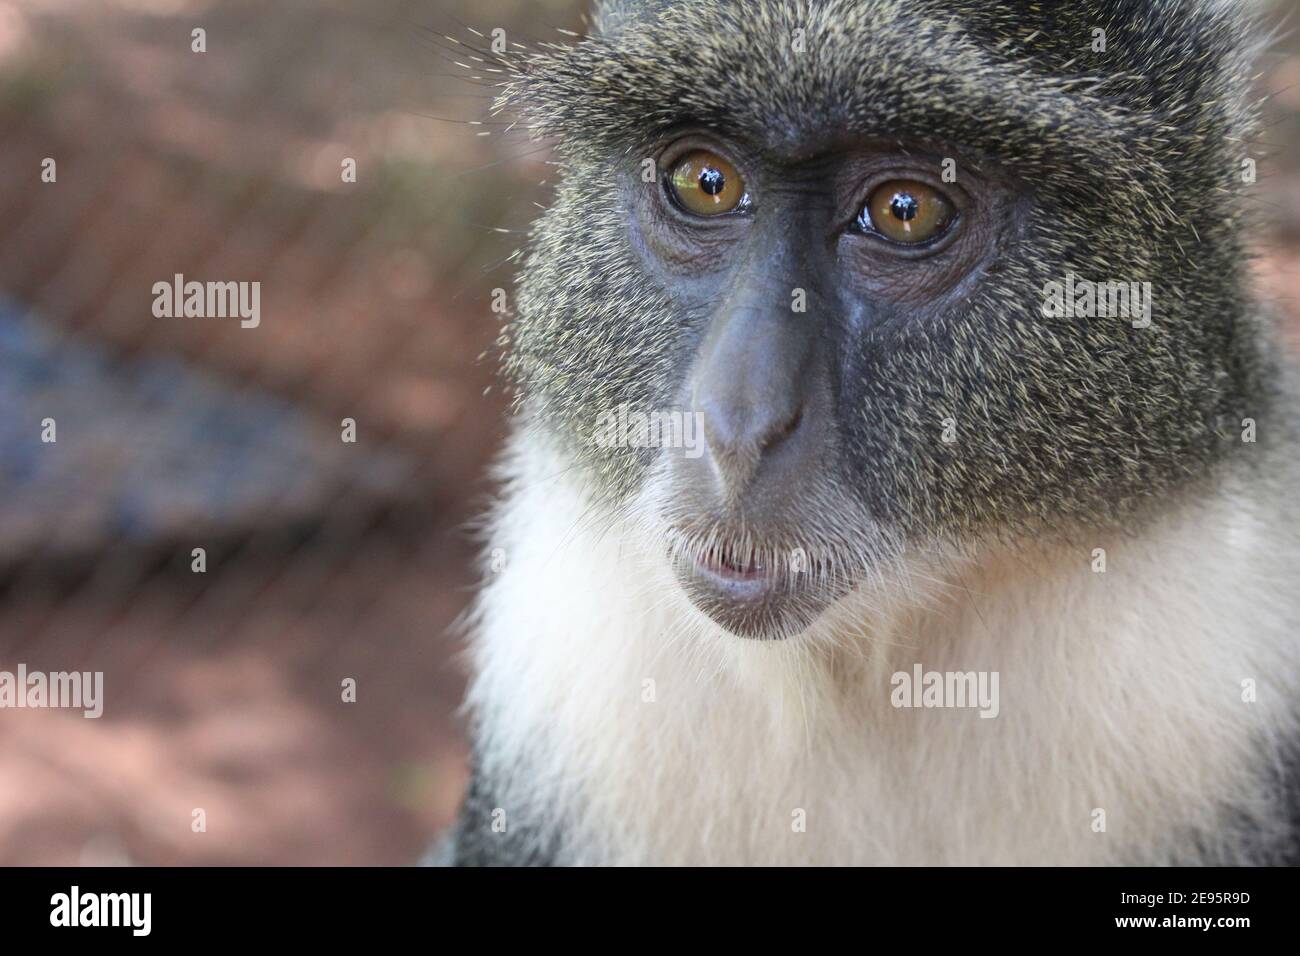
1078	88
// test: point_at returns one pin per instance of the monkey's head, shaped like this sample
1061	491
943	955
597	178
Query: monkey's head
854	238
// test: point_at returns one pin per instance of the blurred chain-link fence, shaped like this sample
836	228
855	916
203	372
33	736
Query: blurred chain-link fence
127	158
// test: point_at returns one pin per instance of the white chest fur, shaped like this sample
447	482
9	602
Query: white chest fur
612	706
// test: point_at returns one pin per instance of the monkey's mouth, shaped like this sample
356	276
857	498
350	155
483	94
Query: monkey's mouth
753	591
732	566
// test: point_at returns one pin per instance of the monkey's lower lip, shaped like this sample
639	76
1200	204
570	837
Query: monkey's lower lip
717	584
747	597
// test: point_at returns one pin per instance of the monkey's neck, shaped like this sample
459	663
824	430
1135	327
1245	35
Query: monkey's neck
1126	727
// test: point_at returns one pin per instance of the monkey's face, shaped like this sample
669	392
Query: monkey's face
825	235
806	270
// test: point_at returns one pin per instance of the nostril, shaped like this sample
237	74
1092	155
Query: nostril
780	432
740	437
748	432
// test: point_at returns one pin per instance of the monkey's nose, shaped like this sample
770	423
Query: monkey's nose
750	387
741	427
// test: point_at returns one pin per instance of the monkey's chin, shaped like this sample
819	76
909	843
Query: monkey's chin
753	602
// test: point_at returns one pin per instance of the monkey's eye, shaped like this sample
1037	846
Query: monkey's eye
906	211
705	184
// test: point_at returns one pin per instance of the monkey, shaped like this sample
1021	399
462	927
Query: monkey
958	293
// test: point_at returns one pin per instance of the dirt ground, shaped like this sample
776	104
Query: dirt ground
325	561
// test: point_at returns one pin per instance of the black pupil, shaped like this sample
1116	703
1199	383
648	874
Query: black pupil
712	181
904	206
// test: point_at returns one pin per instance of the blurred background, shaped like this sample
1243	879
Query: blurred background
325	560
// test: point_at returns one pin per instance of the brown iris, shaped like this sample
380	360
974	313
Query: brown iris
705	184
906	211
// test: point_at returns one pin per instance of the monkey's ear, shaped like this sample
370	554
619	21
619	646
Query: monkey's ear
613	16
